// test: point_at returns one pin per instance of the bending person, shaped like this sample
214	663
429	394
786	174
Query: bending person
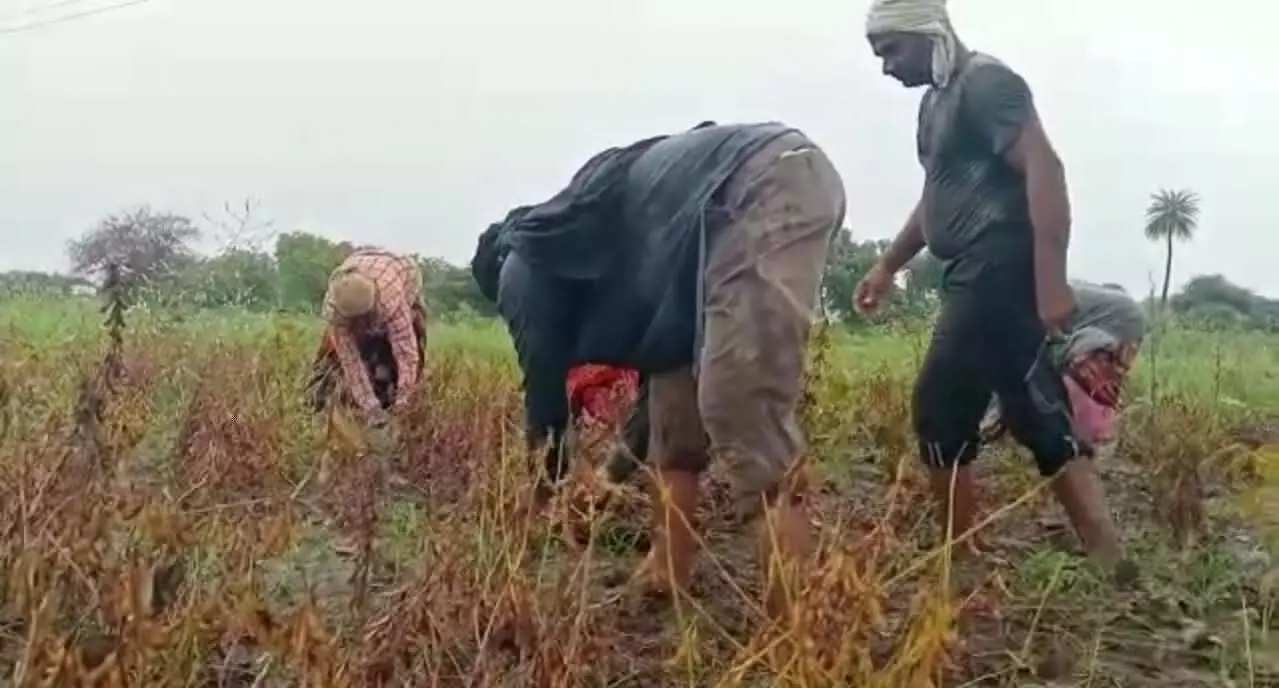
374	347
1095	356
694	259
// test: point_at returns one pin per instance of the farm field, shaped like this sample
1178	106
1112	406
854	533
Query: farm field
177	517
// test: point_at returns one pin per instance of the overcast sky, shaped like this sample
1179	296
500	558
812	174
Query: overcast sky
414	124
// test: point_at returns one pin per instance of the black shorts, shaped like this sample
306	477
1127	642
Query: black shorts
988	339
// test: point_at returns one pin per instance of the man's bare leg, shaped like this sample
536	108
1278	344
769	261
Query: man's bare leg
958	501
1079	489
786	546
669	565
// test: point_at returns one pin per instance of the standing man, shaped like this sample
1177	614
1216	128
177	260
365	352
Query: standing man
995	209
376	295
694	259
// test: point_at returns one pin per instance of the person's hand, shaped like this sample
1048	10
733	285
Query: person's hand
1056	307
381	436
871	290
1097	376
377	417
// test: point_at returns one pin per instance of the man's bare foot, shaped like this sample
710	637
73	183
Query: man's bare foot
978	551
536	501
668	568
654	578
602	488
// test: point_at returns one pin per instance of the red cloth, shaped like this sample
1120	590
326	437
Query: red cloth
601	391
1102	374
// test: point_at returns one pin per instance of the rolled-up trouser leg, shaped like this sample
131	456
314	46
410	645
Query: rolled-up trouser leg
762	276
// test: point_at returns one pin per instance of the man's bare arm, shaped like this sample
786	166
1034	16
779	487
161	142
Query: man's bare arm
1049	200
354	371
908	242
1001	104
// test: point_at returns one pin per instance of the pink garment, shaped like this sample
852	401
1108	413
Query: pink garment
1094	423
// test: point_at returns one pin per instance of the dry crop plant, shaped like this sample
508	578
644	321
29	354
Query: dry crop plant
180	518
226	537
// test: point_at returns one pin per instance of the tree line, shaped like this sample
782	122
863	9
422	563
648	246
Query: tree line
256	268
160	262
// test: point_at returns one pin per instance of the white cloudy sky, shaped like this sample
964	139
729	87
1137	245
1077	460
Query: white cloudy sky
413	124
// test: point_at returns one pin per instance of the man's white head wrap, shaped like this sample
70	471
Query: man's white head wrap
927	17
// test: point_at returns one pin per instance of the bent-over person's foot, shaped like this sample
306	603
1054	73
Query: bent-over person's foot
786	546
658	578
668	567
602	488
535	500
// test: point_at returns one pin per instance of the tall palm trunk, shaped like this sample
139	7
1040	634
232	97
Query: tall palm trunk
1163	299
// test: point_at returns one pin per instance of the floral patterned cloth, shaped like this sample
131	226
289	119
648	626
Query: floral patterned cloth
600	392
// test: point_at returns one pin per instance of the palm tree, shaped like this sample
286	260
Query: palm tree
1172	214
